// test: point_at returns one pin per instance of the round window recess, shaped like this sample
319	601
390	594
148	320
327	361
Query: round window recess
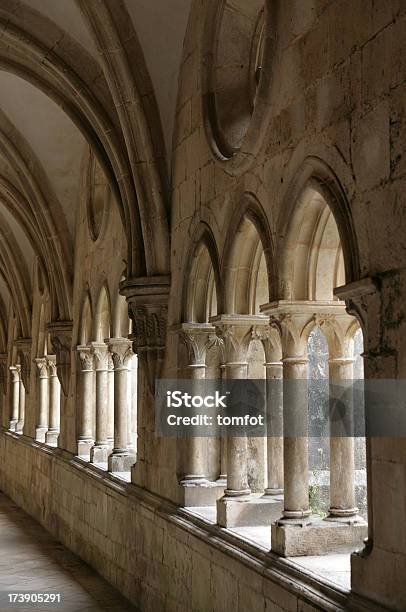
236	76
98	198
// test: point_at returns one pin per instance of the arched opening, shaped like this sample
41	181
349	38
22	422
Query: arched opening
246	273
324	464
201	286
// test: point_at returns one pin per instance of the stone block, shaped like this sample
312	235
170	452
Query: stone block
99	454
249	510
201	494
120	462
316	536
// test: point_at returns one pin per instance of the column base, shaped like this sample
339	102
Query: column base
271	491
84	447
120	462
19	427
51	437
200	492
40	433
99	453
12	425
248	510
316	536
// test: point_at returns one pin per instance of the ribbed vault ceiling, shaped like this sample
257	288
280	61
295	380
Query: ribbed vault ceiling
45	125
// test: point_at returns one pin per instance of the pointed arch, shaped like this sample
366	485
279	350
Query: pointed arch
316	219
202	290
247	266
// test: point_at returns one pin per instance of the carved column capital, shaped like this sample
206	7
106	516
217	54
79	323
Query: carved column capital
270	336
121	352
42	365
61	340
86	358
51	364
237	331
15	373
197	337
101	356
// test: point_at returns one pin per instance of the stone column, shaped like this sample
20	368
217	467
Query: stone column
42	412
295	448
110	407
222	479
342	464
271	341
122	458
236	334
86	401
237	507
21	408
196	338
100	449
15	396
274	405
24	352
54	402
297	532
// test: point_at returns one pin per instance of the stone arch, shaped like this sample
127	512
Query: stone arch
248	261
72	80
316	220
202	290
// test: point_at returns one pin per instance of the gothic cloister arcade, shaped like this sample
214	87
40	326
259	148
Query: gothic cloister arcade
204	190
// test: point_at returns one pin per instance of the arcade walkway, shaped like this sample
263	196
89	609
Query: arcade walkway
32	561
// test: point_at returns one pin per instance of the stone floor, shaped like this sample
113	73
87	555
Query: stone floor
333	567
32	561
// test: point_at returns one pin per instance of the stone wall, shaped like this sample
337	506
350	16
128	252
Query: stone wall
151	551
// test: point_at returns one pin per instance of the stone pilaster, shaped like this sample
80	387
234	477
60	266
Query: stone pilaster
147	299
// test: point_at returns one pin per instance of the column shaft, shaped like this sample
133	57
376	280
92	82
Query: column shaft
342	465
274	405
15	396
237	477
295	448
122	458
21	409
195	447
